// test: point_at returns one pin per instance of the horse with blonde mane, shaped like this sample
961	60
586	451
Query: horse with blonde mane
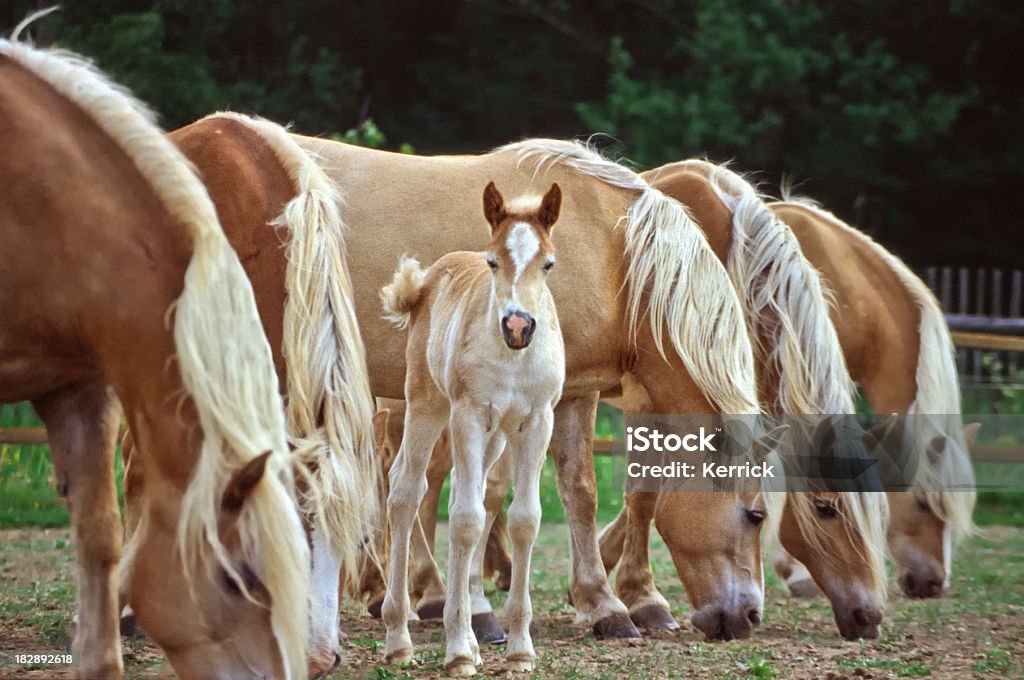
268	192
801	370
485	357
657	256
114	240
899	349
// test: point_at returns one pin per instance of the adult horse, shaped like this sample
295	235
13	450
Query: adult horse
880	303
279	212
801	370
397	204
119	286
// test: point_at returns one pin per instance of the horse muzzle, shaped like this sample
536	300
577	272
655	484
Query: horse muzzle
517	329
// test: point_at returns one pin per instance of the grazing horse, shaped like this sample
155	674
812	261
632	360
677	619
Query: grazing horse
898	348
630	252
279	212
485	356
121	291
801	370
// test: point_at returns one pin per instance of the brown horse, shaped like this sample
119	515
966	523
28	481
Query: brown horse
120	290
268	192
658	257
898	348
801	370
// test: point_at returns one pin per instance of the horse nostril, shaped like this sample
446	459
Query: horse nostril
754	617
934	588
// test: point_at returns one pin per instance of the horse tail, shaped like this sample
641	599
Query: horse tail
401	295
330	408
670	265
936	408
223	358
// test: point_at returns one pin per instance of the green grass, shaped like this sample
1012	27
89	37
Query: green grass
28	496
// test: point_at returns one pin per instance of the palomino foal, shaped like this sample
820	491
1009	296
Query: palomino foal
485	356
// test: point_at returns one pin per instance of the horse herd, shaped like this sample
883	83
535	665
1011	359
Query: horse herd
220	288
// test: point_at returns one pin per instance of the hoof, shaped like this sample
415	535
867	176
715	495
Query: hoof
431	610
519	663
615	626
488	629
399	656
653	616
375	608
321	669
803	588
460	667
130	627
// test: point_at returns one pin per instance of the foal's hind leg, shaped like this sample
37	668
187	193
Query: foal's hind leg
424	420
486	626
635	581
81	423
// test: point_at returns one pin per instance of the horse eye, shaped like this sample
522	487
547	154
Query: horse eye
232	585
756	517
493	264
922	505
826	509
548	265
229	583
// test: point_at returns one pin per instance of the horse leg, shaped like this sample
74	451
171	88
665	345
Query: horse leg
798	580
572	444
466	518
427	584
423	424
81	424
634	581
133	482
324	605
497	561
486	626
611	540
529	450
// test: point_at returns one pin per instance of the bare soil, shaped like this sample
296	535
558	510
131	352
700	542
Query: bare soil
976	631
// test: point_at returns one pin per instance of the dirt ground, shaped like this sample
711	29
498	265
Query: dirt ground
976	631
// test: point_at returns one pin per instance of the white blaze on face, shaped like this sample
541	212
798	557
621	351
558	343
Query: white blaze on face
523	245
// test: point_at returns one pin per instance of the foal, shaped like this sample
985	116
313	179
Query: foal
485	356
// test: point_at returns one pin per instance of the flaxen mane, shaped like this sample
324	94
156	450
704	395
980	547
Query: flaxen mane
936	405
223	357
330	408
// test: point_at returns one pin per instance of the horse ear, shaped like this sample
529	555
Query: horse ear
380	428
936	448
970	434
550	206
243	482
494	206
824	437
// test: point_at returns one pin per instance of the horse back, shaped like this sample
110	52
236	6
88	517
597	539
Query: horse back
94	256
249	189
874	314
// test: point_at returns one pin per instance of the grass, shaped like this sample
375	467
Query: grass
28	496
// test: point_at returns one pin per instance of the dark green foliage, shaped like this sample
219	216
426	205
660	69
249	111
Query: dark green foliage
905	118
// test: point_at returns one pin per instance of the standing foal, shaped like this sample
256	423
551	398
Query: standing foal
485	356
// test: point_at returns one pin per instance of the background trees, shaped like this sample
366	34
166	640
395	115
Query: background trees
906	118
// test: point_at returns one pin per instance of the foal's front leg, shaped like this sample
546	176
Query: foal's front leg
466	520
527	450
423	424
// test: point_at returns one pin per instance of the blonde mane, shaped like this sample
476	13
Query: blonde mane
936	407
330	408
223	357
689	296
